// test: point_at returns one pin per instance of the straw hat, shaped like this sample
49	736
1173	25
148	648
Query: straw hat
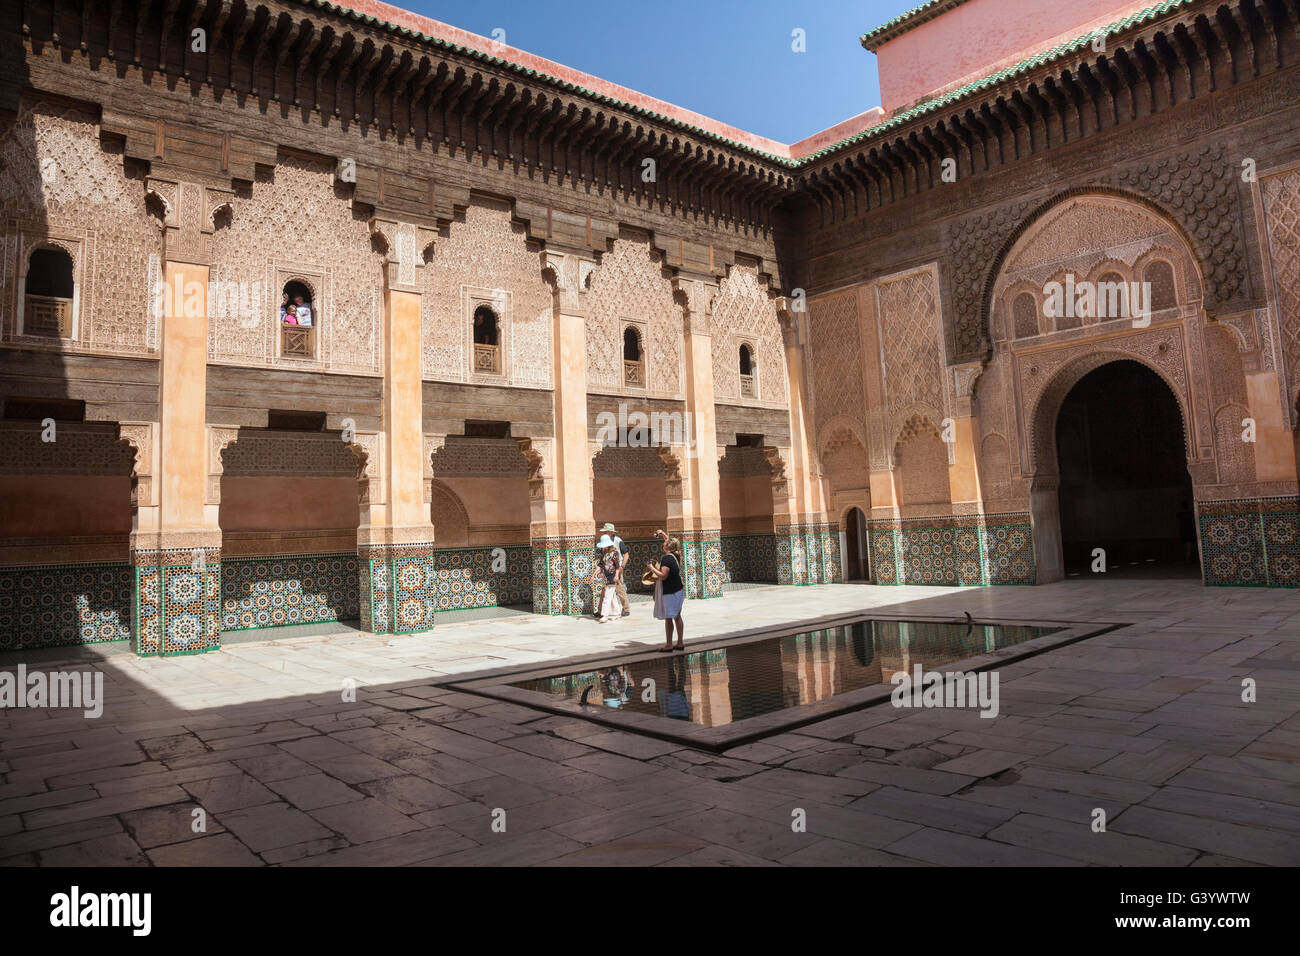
607	526
649	579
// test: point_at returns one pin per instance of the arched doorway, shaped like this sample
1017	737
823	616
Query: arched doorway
1124	487
856	562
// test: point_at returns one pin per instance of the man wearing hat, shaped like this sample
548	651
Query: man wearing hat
624	553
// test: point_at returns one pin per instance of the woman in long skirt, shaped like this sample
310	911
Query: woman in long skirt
670	593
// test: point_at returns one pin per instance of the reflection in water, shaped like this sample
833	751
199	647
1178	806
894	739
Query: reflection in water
716	687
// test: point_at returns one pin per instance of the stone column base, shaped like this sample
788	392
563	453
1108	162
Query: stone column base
562	574
1250	542
953	551
398	587
176	606
808	553
702	563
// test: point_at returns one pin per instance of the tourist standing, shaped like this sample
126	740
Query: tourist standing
624	555
670	592
612	569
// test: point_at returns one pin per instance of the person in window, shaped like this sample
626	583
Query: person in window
287	314
670	592
302	310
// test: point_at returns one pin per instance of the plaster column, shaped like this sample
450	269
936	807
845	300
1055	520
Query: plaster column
1275	459
395	541
176	544
703	522
810	531
563	544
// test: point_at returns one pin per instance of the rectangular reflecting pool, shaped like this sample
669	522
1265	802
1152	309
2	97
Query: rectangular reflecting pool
722	685
730	691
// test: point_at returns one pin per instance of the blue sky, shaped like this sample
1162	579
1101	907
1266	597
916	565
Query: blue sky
728	59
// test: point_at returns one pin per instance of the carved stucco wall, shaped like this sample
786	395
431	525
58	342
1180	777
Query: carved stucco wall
911	350
297	223
485	259
835	353
58	182
1281	195
267	453
80	449
630	287
743	312
1021	389
1197	187
464	457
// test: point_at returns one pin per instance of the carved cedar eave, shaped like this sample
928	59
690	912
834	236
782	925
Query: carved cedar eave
368	74
1186	54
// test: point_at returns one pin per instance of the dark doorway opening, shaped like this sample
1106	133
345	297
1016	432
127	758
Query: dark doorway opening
1124	486
855	544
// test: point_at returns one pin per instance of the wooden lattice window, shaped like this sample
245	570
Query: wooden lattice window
487	350
298	321
49	294
748	373
1024	315
1160	277
633	359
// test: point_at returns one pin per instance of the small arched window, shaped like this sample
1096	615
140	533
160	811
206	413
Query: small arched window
1159	276
633	358
1024	314
49	294
297	320
1112	297
748	373
487	354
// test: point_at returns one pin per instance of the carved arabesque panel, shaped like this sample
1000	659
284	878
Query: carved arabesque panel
836	351
486	252
630	285
57	178
743	312
907	311
1282	211
78	449
296	220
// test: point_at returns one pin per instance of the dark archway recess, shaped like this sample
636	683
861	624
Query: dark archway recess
855	546
1124	484
49	273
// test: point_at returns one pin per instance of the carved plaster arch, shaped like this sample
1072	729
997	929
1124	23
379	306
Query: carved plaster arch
1044	216
833	428
138	436
1042	419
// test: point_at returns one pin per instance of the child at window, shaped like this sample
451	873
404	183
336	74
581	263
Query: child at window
287	314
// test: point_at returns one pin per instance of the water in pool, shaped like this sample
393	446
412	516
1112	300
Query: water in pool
725	684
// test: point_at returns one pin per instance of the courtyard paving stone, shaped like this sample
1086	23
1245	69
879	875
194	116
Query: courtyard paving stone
1145	722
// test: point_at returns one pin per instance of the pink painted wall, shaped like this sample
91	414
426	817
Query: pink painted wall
980	37
288	504
630	501
56	505
492	503
746	504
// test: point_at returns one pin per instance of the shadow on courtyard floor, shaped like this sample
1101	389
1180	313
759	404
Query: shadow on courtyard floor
410	772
